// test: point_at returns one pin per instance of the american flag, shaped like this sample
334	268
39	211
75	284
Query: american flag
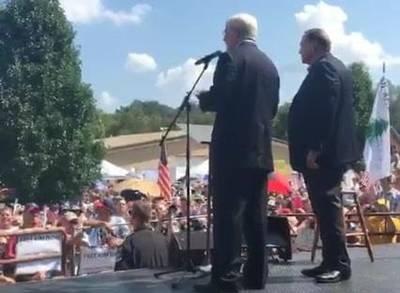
164	179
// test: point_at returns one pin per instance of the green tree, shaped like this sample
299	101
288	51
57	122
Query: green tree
147	116
363	99
48	118
280	123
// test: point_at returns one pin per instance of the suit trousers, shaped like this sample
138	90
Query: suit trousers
325	195
239	208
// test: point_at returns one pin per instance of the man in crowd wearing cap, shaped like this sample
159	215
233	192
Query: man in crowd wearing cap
144	248
106	213
107	226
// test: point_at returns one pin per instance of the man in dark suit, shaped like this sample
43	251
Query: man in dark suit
245	96
144	248
322	142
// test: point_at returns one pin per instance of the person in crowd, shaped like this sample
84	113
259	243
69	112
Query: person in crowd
121	207
32	217
395	158
7	245
106	213
245	97
53	215
393	195
160	207
182	208
322	142
144	248
75	238
73	228
32	220
297	201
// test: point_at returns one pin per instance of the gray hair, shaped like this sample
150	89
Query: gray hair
245	24
318	37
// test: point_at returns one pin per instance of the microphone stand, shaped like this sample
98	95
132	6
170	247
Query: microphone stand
209	199
188	265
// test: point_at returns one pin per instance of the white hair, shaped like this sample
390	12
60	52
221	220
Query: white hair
245	24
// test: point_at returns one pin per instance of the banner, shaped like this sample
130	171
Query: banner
377	145
37	246
97	259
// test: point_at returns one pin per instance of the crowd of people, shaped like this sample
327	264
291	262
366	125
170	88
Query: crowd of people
103	217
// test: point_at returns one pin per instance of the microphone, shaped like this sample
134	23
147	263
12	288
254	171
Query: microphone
206	59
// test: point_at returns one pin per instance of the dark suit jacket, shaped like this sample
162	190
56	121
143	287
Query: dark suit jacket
143	249
245	96
321	116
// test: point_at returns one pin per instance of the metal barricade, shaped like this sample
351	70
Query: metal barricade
40	257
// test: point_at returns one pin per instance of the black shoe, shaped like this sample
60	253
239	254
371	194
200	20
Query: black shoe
212	288
312	273
333	277
231	277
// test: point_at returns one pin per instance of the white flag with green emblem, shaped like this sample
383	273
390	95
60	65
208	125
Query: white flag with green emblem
377	145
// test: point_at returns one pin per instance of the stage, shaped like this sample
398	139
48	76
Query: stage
380	276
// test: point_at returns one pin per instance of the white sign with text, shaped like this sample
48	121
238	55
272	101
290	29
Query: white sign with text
97	259
39	245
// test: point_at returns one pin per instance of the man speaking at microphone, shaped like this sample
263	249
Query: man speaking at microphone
245	96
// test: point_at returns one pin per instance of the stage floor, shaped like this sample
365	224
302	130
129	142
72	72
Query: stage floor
380	276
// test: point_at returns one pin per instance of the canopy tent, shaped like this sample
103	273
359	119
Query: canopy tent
150	189
109	170
199	171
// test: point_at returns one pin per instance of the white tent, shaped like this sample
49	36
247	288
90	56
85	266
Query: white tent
199	171
109	170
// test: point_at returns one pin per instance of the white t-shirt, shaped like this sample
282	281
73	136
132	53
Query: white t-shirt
119	226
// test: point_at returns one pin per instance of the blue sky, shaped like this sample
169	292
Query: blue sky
145	49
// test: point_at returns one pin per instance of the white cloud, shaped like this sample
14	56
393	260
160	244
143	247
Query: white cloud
176	81
86	11
135	16
349	46
107	102
140	62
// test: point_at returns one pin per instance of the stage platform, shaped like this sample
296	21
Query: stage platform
382	276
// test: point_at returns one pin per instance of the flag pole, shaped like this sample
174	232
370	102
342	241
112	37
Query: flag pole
384	69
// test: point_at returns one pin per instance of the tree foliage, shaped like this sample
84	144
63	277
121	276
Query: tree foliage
280	123
363	99
147	116
47	115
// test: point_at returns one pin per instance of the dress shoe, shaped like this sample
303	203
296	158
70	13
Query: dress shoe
333	277
231	277
312	273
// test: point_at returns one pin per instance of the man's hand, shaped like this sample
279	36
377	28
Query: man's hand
39	276
107	226
312	157
200	93
114	242
6	280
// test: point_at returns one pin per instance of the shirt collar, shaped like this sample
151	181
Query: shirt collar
317	60
245	41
